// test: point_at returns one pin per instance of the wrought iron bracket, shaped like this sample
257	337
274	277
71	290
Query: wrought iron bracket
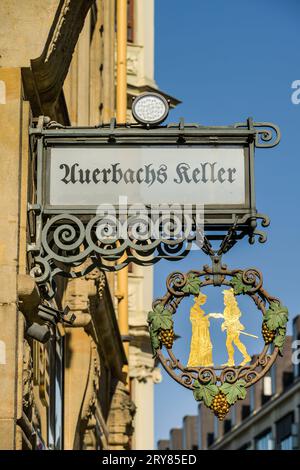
62	242
53	316
49	317
217	269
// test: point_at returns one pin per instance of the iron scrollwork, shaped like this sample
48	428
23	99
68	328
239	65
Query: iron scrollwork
267	134
63	240
220	386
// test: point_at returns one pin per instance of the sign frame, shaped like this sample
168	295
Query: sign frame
51	256
210	209
190	135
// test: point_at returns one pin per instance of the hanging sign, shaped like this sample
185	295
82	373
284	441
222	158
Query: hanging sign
198	169
87	176
218	386
140	193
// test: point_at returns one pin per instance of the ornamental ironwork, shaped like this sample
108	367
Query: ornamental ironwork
217	386
181	185
70	235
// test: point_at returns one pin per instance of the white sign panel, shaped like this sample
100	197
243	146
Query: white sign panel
88	176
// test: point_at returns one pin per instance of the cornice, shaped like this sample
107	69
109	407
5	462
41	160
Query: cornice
50	69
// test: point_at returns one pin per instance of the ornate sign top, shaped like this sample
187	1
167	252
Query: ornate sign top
137	194
88	176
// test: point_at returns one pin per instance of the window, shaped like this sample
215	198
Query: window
264	441
227	425
287	379
216	427
233	416
284	428
210	439
246	411
267	389
130	20
286	443
273	373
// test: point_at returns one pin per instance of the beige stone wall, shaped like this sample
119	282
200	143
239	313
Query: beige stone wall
13	121
24	31
24	366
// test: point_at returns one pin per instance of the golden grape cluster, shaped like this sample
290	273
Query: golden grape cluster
268	335
220	406
167	337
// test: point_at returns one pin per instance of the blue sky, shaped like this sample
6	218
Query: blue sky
226	61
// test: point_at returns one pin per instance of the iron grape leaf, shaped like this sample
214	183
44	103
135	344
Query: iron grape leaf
155	342
156	323
192	285
158	309
159	318
282	331
276	316
239	287
205	392
279	342
235	391
166	322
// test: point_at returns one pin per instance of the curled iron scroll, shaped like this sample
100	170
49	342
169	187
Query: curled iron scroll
219	387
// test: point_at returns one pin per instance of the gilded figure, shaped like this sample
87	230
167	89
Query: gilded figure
233	328
201	345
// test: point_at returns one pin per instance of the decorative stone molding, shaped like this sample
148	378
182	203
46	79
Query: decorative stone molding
82	320
120	420
134	60
28	295
156	375
90	399
58	28
144	373
80	292
140	342
50	69
89	298
100	280
27	378
89	440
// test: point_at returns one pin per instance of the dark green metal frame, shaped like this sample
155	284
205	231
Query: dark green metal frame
64	236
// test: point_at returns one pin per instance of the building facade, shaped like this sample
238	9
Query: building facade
58	60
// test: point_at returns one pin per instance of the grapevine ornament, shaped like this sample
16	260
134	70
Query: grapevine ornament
218	387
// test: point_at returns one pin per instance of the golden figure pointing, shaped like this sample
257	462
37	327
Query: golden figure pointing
233	328
201	345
